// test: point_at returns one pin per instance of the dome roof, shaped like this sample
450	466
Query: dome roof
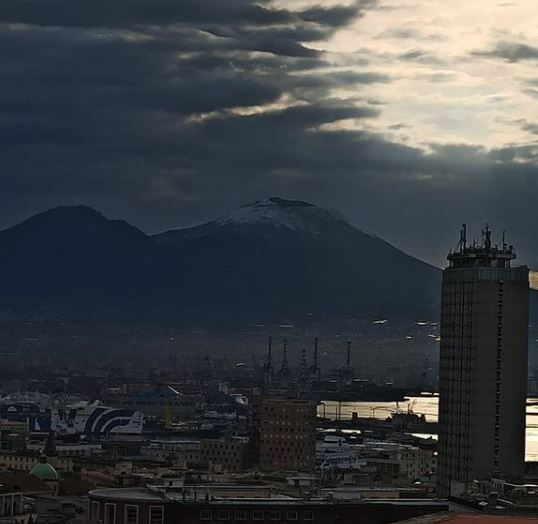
44	471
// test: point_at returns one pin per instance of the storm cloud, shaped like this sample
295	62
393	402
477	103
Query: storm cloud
511	51
171	112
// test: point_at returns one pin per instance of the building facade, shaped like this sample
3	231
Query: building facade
12	507
284	434
128	506
178	452
26	461
230	453
483	364
397	463
243	505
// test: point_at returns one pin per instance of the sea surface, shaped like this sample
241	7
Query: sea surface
428	406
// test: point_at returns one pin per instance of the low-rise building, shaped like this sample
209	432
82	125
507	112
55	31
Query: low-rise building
80	449
177	452
398	462
128	506
114	475
200	504
12	507
497	496
16	461
230	453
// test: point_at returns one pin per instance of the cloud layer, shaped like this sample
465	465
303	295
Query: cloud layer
168	112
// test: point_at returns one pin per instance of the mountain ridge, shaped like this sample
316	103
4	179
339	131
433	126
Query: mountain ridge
272	259
250	216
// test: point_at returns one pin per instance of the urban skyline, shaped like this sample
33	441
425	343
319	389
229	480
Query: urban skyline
230	286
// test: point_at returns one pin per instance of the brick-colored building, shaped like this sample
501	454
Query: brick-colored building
231	453
127	506
242	505
284	434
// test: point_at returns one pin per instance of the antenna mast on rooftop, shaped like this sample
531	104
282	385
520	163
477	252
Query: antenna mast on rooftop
462	246
486	238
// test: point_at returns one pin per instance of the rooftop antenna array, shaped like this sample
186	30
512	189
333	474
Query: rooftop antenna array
486	238
462	245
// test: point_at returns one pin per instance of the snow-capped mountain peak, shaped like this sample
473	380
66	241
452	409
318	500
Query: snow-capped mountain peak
293	215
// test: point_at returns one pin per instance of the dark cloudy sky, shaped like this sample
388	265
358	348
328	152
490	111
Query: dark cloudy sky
410	117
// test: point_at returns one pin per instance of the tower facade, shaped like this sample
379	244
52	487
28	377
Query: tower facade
483	364
284	434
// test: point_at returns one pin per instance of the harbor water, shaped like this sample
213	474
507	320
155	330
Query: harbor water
427	406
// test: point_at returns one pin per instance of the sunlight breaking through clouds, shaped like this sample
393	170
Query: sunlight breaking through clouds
408	116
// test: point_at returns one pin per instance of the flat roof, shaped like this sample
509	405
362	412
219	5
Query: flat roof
489	519
257	501
142	494
452	518
406	502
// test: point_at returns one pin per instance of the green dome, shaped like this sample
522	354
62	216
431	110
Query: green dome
44	471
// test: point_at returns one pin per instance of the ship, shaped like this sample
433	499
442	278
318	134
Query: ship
87	418
356	390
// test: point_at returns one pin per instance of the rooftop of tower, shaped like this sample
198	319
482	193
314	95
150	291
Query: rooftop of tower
481	254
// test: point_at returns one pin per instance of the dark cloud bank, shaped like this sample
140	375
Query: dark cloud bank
126	105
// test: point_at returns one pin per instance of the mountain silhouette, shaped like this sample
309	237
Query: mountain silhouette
271	260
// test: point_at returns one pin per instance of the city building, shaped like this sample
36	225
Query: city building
128	506
28	485
400	463
178	452
23	461
47	474
244	503
12	507
497	497
68	449
230	453
483	364
112	476
284	434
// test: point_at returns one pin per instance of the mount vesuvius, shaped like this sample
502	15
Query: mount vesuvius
271	260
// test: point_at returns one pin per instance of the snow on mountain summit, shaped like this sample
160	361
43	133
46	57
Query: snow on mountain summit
294	215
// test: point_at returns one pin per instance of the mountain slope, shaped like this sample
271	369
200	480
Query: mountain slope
72	258
290	258
273	260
